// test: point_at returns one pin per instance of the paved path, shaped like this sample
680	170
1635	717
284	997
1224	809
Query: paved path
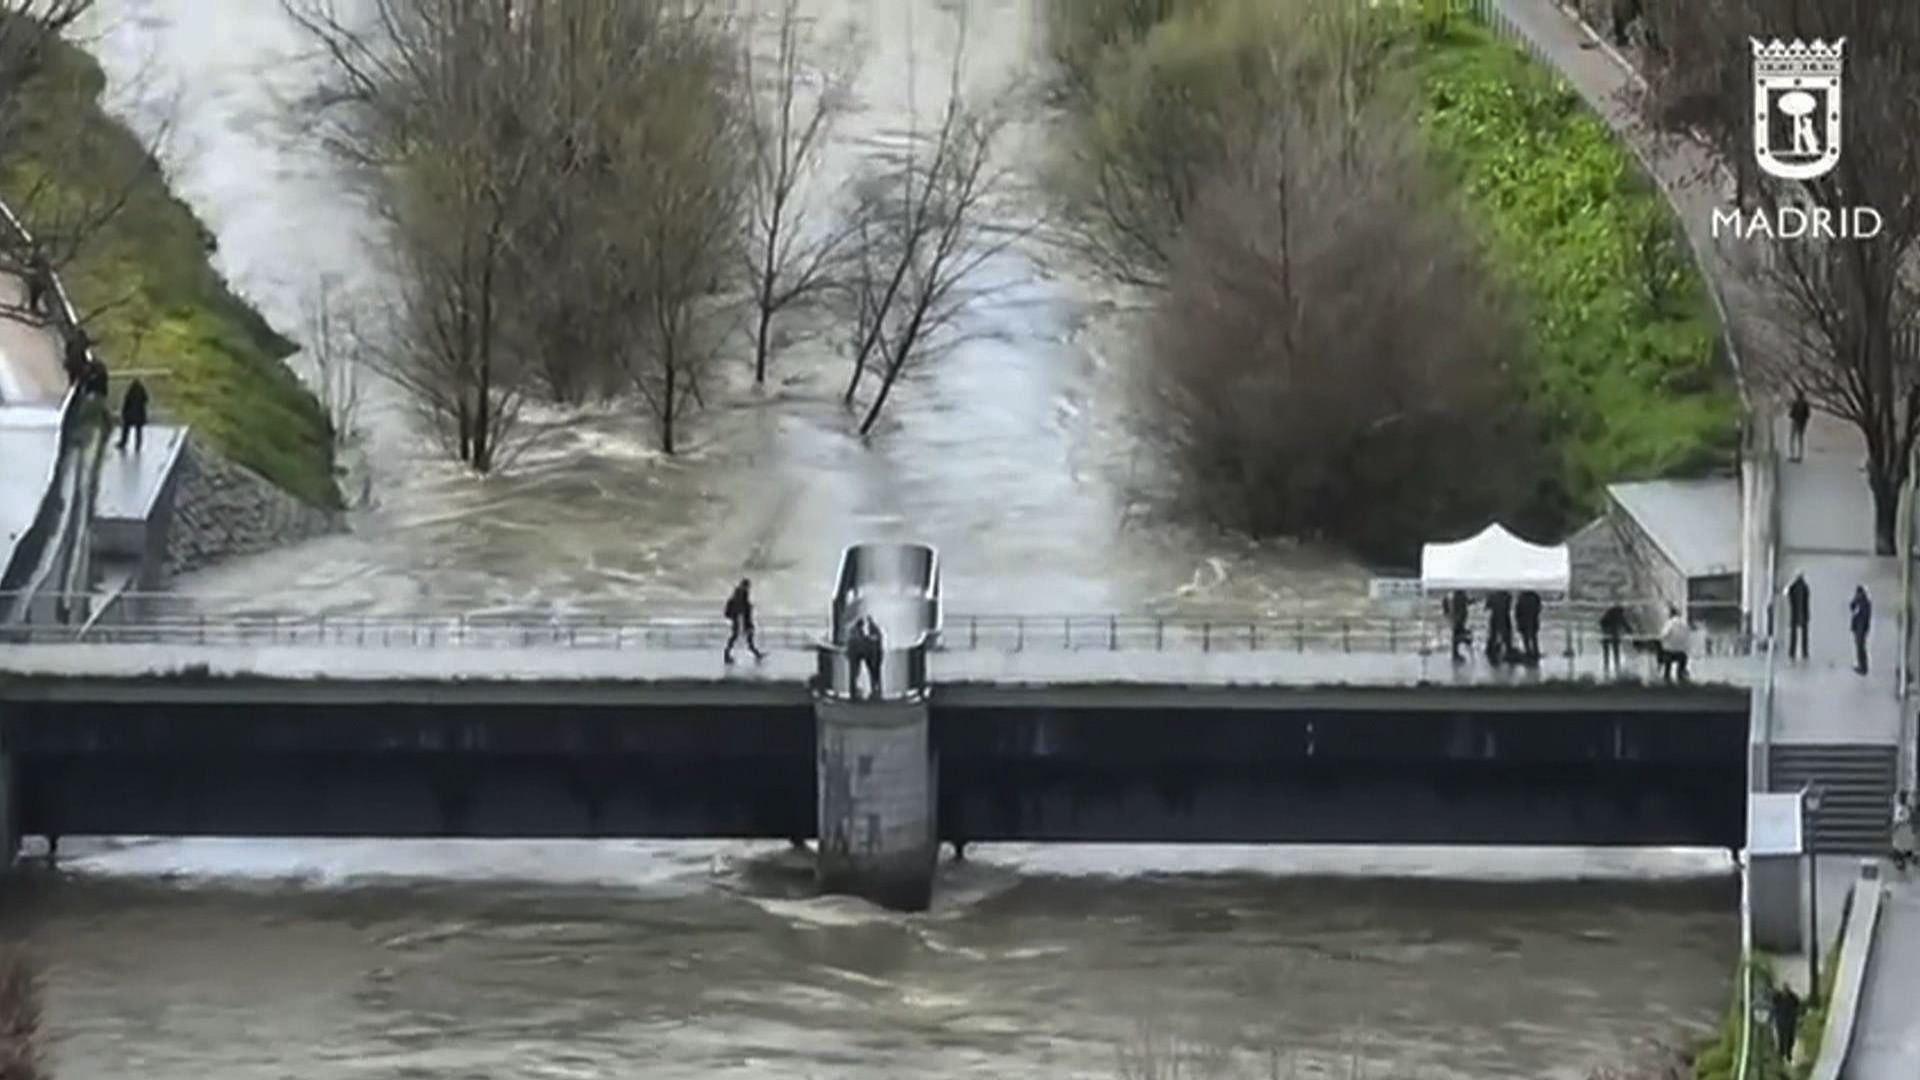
32	383
1053	666
1826	534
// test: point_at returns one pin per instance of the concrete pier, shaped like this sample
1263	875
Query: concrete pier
9	818
878	801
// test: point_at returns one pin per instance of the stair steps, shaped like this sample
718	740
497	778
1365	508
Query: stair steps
1856	780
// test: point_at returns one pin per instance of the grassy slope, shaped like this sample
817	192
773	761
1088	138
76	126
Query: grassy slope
1633	381
160	303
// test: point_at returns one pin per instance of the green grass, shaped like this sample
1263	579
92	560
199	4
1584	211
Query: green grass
161	305
1623	325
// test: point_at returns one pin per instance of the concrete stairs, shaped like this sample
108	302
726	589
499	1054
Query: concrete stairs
1856	809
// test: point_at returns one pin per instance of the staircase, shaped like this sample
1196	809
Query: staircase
1856	780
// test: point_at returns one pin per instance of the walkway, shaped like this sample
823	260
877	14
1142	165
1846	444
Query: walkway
32	384
1826	532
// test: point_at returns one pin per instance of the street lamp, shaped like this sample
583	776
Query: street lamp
1810	797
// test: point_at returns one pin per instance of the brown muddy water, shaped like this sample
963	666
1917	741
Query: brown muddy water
244	960
254	960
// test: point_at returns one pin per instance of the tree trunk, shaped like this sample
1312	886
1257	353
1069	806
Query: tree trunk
760	341
668	407
1885	485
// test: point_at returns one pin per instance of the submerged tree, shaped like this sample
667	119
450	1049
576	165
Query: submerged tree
1843	312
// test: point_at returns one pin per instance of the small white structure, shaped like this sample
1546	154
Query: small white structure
1495	559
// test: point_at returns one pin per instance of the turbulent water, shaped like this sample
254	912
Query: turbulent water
236	960
228	960
1012	453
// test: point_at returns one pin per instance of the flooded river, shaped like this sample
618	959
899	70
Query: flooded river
241	960
248	960
1012	453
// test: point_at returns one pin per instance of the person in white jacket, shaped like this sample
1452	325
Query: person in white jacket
1674	639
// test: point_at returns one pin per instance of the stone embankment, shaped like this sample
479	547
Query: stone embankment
222	510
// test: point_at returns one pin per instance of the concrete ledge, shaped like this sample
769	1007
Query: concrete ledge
1856	951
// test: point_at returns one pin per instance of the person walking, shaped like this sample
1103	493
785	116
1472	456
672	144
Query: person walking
739	612
1499	626
1526	614
39	283
133	414
1675	637
1862	609
1799	613
1786	1020
1613	628
1902	842
76	355
1457	606
95	382
1798	413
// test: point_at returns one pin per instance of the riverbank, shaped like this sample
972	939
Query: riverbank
142	278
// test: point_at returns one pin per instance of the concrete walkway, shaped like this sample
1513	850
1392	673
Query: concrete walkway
1826	529
32	384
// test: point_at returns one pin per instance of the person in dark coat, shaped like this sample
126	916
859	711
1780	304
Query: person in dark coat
1499	626
39	283
1798	413
1786	1020
133	413
1862	609
1457	606
1799	613
76	355
739	613
1613	627
1526	614
95	381
856	654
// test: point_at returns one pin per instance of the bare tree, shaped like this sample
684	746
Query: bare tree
1843	311
334	343
1330	358
787	127
679	238
924	223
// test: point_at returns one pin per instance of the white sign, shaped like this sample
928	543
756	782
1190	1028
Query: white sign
1393	588
1773	823
1798	86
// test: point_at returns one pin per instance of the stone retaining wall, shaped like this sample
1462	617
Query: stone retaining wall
222	510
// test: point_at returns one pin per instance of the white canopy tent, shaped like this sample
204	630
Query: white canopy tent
1495	559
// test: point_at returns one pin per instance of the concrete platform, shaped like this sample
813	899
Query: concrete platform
131	480
29	447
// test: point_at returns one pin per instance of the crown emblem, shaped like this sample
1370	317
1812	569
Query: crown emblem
1775	59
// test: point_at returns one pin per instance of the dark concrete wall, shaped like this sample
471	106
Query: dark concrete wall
1504	766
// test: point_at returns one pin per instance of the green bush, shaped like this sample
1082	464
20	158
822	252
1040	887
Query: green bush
1624	328
145	283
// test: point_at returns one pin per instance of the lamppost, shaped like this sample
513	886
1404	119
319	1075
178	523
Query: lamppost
1810	797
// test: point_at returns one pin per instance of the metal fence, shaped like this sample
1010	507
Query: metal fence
1567	629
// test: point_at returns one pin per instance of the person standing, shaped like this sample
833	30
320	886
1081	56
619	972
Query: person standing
1499	626
1862	609
1798	413
1526	613
76	355
1613	627
1457	606
876	647
739	613
39	283
133	413
1786	1020
1799	613
856	654
1675	637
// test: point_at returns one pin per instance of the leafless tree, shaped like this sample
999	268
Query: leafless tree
1843	311
790	259
334	343
1330	357
679	241
925	221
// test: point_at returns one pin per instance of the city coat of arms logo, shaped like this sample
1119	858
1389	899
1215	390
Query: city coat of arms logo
1796	107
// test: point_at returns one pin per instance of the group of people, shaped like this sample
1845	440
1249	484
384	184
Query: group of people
1800	615
865	645
1505	615
83	368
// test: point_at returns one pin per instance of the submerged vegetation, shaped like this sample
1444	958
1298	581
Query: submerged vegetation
1407	281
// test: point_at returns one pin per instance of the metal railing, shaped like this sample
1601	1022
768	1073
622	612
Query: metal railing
165	618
